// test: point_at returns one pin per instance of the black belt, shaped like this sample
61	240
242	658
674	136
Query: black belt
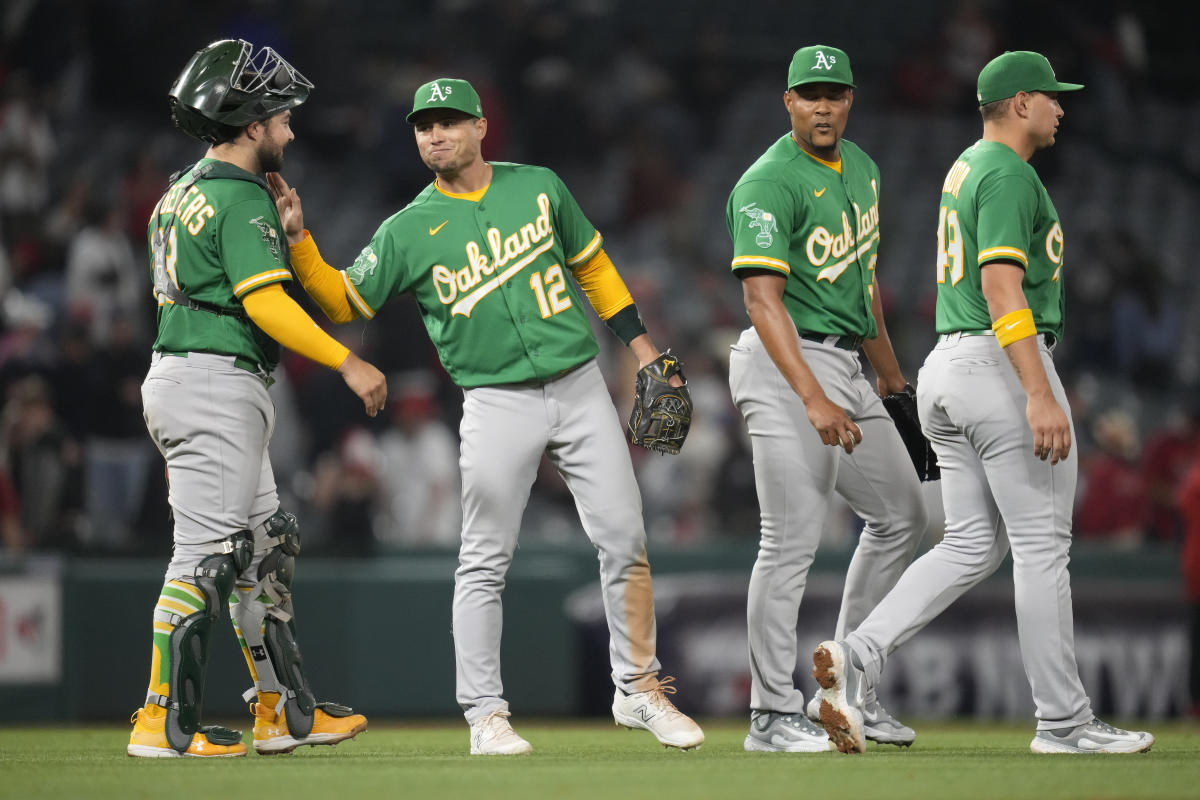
842	342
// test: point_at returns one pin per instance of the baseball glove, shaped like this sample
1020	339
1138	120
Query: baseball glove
902	406
662	413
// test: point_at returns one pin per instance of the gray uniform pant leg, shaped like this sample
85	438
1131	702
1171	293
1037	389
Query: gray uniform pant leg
212	422
504	432
880	485
994	488
795	476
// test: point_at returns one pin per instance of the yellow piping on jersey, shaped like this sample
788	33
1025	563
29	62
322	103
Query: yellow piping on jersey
1013	253
760	261
586	252
602	284
255	281
474	196
364	310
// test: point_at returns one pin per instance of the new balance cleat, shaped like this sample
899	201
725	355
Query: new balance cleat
149	739
843	690
493	735
332	723
1091	737
785	733
653	711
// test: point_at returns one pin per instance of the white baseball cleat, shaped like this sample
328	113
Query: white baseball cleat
493	735
652	711
843	691
878	723
1091	737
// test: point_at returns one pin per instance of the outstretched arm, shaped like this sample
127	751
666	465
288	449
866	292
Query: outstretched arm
283	320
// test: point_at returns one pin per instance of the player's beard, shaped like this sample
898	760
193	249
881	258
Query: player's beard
270	157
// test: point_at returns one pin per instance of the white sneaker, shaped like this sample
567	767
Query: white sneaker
1091	737
652	711
493	736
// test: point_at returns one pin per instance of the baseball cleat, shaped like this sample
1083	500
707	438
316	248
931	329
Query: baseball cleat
493	735
1091	737
785	733
149	739
332	723
843	688
652	711
878	724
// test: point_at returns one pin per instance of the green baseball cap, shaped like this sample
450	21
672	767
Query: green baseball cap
452	93
820	63
1018	71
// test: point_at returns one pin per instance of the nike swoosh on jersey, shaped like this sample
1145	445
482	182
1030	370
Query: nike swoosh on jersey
433	231
817	193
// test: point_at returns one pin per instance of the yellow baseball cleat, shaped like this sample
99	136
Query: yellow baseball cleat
149	739
332	723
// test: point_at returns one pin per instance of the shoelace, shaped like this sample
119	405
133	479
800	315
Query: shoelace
1104	727
494	723
657	696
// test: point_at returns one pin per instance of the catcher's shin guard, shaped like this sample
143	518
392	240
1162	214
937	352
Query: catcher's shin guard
185	613
262	614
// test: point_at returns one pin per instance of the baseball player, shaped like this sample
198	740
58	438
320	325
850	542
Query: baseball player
219	266
488	250
804	220
993	407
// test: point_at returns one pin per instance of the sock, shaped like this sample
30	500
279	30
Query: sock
180	599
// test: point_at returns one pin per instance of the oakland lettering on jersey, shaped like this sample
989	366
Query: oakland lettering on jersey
822	245
469	282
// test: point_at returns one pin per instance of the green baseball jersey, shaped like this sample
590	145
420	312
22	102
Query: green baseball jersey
995	208
221	239
490	275
797	215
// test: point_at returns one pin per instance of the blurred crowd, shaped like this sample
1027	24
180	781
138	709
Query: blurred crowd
649	119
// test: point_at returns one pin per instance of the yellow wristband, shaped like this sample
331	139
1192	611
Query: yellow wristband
1014	326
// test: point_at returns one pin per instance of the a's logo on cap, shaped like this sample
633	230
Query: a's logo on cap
823	61
436	92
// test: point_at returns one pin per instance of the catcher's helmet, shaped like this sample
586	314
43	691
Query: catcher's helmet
227	86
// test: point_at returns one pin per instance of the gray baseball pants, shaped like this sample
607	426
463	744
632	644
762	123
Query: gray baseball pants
997	494
795	476
504	432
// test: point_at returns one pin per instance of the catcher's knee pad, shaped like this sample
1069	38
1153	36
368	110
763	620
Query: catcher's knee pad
214	576
270	601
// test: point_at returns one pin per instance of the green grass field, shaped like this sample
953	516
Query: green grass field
591	759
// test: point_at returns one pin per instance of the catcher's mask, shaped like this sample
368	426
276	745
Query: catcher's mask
227	86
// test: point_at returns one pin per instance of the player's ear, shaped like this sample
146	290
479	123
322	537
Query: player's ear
481	127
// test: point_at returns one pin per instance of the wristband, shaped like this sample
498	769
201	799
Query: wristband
1014	326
